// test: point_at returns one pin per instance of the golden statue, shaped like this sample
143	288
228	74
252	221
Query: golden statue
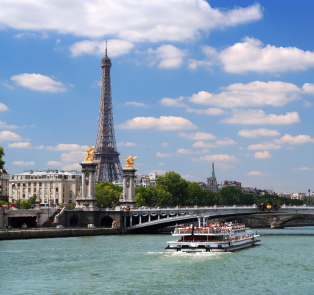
130	161
89	154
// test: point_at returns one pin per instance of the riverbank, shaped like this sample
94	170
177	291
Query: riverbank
57	233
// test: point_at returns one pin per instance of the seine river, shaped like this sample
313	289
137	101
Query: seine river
138	264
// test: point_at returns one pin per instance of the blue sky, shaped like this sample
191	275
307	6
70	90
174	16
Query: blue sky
192	82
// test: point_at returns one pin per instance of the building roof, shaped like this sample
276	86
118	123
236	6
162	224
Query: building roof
49	172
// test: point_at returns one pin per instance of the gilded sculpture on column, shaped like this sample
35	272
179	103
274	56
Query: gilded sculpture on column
89	154
130	161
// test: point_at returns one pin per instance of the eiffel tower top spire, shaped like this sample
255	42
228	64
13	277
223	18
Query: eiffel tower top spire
106	155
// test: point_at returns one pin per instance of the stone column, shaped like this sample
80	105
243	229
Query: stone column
140	218
158	215
148	217
128	199
131	220
86	198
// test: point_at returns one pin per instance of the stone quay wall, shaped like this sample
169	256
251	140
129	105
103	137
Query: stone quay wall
57	233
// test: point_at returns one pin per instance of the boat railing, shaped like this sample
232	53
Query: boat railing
209	230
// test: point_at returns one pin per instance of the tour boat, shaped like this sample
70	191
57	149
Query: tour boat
212	238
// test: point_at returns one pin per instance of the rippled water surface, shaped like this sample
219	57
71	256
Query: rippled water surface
138	264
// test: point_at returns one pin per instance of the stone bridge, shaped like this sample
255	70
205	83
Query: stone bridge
149	220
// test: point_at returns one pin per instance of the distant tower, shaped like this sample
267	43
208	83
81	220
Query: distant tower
212	182
107	157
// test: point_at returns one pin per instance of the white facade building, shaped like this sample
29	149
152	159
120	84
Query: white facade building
141	180
58	186
4	182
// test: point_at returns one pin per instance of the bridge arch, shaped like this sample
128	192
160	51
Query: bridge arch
74	220
106	221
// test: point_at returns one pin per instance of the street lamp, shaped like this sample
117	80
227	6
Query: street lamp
309	196
215	200
177	199
196	199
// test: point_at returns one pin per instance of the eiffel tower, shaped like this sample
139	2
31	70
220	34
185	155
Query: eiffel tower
106	155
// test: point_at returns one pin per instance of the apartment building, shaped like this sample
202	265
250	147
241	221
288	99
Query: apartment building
4	183
58	186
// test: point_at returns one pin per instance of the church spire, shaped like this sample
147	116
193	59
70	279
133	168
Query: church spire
213	170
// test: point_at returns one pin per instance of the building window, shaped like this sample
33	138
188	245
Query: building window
70	201
56	189
24	184
46	184
34	189
29	195
39	183
45	190
29	184
70	195
35	183
51	183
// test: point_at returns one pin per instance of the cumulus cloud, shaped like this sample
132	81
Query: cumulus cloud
135	21
184	151
208	112
134	103
20	145
76	156
221	142
38	82
264	146
4	125
158	154
250	55
217	158
164	144
257	93
31	35
258	132
3	107
161	164
197	135
65	147
289	139
126	144
256	173
224	166
303	168
165	56
308	88
260	117
173	102
193	64
23	163
115	47
9	136
262	155
162	123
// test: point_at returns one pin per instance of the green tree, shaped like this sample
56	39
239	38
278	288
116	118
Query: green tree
107	193
175	187
229	195
28	203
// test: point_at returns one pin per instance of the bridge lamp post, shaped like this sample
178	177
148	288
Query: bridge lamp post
153	202
196	199
309	196
215	200
177	199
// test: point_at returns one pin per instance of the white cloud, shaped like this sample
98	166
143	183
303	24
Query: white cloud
260	117
193	64
173	102
264	146
4	125
308	88
162	123
65	147
20	145
115	47
197	135
299	139
75	166
9	136
256	173
137	21
6	84
217	158
127	143
221	142
257	93
38	82
159	172
164	144
307	104
3	107
184	151
30	35
77	156
250	55
258	132
161	164
303	168
95	84
204	151
187	176
162	155
23	163
134	103
54	163
262	155
167	56
208	112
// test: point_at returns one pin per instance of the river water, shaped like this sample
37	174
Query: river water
138	264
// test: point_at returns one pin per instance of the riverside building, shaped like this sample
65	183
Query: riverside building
4	183
58	186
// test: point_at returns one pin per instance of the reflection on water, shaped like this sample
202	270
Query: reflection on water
138	264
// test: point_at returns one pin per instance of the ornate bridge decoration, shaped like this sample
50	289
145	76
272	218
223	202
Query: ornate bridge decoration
141	219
